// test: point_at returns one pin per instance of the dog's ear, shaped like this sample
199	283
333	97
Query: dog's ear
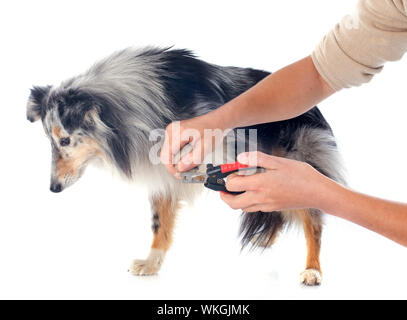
35	102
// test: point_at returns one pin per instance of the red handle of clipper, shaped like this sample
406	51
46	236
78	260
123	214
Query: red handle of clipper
227	167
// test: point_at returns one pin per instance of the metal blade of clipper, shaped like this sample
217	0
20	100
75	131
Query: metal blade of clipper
193	177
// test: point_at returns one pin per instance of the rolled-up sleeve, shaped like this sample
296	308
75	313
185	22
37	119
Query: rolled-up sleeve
359	45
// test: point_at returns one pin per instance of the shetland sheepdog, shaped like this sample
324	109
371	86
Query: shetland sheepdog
108	113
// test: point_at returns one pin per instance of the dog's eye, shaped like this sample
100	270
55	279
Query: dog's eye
64	142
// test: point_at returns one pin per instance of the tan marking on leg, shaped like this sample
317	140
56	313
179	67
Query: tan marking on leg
312	231
166	210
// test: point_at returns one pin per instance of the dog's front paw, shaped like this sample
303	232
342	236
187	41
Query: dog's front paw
144	267
311	277
149	266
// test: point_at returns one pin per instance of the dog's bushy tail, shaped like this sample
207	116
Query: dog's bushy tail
260	228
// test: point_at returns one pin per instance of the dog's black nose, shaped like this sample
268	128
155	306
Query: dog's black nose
56	187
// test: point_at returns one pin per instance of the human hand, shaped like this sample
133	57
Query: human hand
201	133
285	184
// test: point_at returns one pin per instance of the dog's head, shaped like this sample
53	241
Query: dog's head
71	121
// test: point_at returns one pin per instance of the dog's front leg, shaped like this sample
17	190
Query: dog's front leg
164	212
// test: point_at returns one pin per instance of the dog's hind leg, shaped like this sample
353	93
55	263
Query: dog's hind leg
164	213
312	224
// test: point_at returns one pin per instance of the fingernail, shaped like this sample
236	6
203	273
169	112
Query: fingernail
243	158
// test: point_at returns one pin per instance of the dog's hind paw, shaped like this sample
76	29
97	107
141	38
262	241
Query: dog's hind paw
311	277
149	266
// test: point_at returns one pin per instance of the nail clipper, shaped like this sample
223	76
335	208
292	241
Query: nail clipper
214	176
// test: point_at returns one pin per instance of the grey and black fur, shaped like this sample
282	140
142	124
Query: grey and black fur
108	113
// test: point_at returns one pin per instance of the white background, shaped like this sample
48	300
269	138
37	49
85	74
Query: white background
79	244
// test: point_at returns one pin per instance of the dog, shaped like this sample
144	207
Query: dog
107	114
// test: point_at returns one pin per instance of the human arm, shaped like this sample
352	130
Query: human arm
349	55
284	94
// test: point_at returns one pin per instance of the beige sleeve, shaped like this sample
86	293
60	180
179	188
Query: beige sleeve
358	46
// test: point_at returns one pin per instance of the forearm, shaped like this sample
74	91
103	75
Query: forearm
385	217
284	94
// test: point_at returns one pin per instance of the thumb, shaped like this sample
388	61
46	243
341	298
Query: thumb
186	163
259	159
192	159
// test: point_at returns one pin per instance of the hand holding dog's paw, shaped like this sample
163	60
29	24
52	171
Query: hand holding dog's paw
149	266
311	277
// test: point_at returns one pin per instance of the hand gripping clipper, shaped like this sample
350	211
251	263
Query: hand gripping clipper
214	176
